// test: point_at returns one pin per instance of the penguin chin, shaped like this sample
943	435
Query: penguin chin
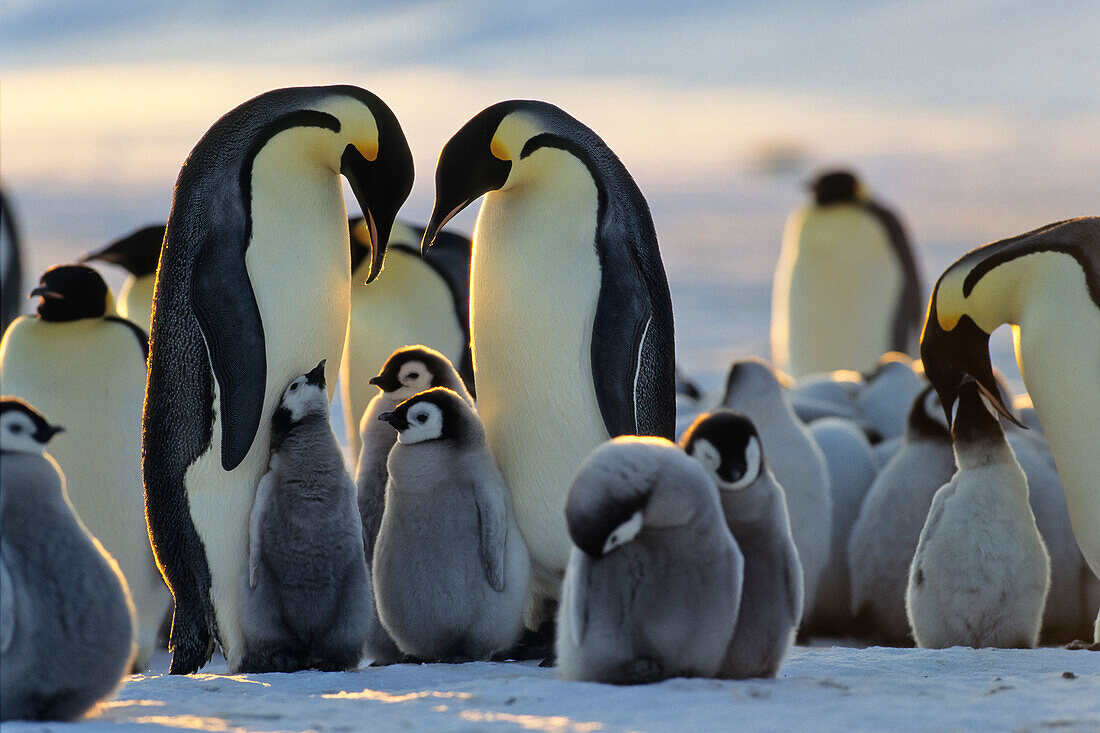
624	533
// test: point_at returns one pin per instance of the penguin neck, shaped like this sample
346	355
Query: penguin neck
747	505
983	452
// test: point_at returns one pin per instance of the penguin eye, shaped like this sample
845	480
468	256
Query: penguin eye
414	375
293	386
421	418
16	428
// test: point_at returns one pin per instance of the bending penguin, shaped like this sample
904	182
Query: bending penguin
450	568
408	371
137	253
845	237
570	313
253	286
308	595
755	507
11	266
61	650
654	583
1046	283
413	300
981	572
85	367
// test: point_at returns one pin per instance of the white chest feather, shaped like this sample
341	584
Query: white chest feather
135	300
534	289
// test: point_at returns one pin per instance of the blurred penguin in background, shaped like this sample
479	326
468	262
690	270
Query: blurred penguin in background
413	300
846	286
11	266
138	254
84	366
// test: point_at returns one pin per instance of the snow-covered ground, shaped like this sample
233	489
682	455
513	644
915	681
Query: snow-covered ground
819	689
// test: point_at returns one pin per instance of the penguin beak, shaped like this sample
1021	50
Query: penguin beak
316	377
45	292
47	432
397	422
381	187
951	356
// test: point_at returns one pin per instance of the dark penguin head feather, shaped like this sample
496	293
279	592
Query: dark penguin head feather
23	429
138	253
835	187
726	444
435	414
72	292
411	366
305	398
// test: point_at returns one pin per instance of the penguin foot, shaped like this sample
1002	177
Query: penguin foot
538	644
550	661
262	663
1083	644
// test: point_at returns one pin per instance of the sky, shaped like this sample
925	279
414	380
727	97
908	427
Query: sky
975	119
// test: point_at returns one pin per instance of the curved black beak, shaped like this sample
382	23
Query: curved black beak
951	356
398	422
316	376
47	432
45	292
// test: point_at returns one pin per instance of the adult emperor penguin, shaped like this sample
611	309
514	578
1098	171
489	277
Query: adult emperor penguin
653	586
137	253
84	366
846	286
981	572
66	620
413	300
11	266
253	287
1046	283
726	444
570	313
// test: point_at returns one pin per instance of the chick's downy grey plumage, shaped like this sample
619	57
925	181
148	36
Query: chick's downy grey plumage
653	585
450	570
755	507
67	628
307	592
408	370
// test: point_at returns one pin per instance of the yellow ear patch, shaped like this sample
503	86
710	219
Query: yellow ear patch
368	150
496	147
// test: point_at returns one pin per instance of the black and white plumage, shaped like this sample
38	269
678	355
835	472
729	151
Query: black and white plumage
407	371
571	317
11	266
450	568
253	286
138	253
755	507
654	581
308	595
67	627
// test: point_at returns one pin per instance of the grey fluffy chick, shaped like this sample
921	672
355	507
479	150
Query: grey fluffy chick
67	627
307	595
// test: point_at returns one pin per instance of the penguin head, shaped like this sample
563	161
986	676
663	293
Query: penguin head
305	395
72	292
137	253
435	414
412	369
728	446
953	346
974	420
491	152
837	187
752	379
23	429
927	420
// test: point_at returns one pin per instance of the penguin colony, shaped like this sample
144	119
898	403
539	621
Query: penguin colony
560	485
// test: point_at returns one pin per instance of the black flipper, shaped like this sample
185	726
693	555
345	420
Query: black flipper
139	333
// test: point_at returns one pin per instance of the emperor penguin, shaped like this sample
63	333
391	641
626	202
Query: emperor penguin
753	390
1046	284
981	572
885	534
11	266
407	371
450	568
726	444
413	300
66	620
83	365
137	253
846	286
653	586
570	312
308	595
253	287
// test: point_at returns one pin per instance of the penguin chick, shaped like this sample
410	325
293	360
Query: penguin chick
67	627
726	444
884	401
653	585
753	390
450	568
885	534
307	596
408	370
981	571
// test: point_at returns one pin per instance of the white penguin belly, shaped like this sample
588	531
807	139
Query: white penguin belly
408	303
1058	351
845	284
535	285
299	265
88	377
135	300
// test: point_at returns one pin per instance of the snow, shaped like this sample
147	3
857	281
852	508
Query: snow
819	688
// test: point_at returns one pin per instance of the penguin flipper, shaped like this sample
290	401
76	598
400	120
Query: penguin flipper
7	607
909	313
492	521
793	581
255	524
229	318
